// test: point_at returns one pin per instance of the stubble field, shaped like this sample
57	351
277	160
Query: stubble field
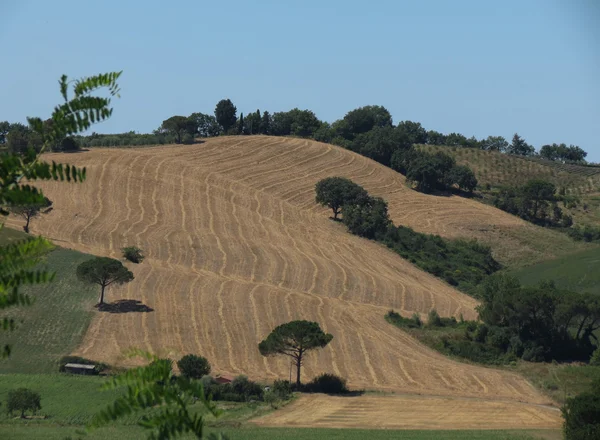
236	245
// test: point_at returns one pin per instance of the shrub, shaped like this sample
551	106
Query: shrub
595	359
434	319
133	254
246	389
283	389
400	321
582	416
271	398
187	139
23	399
327	383
193	367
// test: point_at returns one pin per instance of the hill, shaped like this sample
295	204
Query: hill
236	245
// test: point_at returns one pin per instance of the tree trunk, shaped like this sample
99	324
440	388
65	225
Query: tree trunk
102	294
298	366
335	213
26	227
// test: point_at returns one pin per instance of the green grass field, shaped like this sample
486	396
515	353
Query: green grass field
578	272
54	325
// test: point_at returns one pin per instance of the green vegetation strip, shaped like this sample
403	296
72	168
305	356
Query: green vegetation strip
251	433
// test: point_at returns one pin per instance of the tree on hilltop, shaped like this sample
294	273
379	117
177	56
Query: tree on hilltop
103	271
294	339
226	112
177	126
520	147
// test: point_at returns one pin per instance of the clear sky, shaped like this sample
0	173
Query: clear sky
478	67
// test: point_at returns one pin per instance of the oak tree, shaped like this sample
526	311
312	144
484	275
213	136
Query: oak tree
335	192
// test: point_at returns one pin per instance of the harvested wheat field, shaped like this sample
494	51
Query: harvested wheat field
410	412
235	245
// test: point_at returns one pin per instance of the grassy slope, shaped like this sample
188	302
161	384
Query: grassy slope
55	324
577	272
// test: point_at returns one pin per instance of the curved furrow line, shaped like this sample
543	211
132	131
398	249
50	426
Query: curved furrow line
211	223
257	321
315	272
153	201
141	181
224	321
127	204
99	204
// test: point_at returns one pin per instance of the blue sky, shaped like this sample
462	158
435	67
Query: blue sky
475	67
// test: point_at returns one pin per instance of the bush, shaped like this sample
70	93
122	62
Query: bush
595	359
246	389
434	319
271	398
328	384
582	416
474	351
193	367
187	139
22	400
400	321
133	254
283	389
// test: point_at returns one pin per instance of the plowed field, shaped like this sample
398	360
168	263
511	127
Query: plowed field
235	245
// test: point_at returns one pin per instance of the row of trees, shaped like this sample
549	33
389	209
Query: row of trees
18	138
295	122
305	123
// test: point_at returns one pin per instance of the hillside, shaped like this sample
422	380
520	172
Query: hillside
236	246
581	183
496	169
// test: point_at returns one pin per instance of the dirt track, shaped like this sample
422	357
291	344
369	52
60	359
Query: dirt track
236	246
